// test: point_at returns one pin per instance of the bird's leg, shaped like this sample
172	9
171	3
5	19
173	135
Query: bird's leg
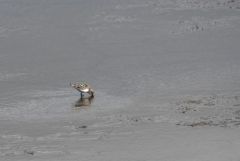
91	94
81	94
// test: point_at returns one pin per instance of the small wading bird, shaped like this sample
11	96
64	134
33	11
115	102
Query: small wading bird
83	87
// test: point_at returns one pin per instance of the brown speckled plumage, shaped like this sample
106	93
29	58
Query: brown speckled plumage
83	87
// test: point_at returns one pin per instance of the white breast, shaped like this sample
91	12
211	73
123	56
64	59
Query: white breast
85	90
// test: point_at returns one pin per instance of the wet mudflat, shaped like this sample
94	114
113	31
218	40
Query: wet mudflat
166	76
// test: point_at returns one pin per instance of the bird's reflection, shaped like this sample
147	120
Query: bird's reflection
83	103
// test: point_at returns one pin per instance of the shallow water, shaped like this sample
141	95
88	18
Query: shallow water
129	52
